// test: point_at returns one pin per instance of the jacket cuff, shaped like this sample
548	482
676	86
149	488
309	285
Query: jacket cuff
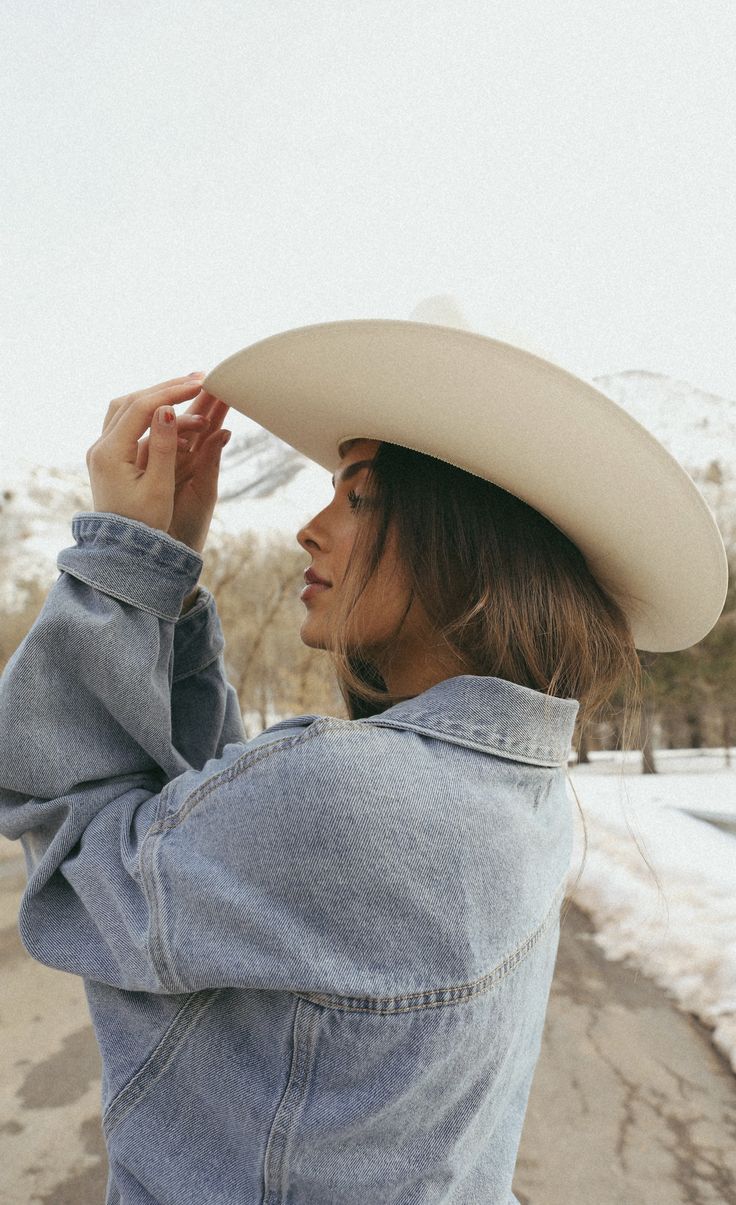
133	562
198	638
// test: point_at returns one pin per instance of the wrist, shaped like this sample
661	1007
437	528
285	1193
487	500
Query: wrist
189	601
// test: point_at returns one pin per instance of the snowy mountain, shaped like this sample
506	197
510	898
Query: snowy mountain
696	427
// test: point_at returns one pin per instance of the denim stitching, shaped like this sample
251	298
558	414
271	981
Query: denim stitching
187	673
90	522
196	1004
244	762
159	954
158	951
120	597
199	608
303	1041
477	987
251	756
507	749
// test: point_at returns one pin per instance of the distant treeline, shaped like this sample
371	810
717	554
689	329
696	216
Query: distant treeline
689	696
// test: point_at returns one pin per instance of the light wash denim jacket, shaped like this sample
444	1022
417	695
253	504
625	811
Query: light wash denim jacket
317	962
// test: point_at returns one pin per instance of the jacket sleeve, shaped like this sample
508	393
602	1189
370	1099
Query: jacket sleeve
205	712
110	697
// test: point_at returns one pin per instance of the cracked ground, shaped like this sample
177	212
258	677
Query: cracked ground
631	1104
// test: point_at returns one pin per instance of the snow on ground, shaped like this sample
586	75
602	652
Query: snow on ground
684	938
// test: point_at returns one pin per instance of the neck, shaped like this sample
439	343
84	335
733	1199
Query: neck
410	671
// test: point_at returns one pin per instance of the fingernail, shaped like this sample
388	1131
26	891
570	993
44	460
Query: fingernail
196	374
226	438
166	415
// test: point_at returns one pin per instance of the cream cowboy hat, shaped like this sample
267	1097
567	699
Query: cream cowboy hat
513	416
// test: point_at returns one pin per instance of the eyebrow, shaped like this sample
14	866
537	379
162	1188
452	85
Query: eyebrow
351	470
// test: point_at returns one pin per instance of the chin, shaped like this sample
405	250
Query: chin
311	636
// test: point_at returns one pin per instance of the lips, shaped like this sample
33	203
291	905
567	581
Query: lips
312	578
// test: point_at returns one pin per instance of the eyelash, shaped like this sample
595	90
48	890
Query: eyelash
355	500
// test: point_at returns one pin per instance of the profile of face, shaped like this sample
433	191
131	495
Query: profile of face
329	538
404	647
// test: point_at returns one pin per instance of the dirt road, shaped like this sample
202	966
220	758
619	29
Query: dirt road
631	1104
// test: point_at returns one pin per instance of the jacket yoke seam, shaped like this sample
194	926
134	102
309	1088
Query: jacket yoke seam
441	997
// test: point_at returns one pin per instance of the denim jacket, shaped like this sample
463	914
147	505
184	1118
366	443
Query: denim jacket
317	962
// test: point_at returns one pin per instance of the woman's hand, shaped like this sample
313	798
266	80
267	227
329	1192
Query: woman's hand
168	479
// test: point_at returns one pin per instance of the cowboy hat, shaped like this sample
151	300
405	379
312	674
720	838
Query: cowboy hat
511	415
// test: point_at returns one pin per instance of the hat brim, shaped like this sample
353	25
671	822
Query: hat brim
511	417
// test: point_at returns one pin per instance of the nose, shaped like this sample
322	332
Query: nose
305	536
313	533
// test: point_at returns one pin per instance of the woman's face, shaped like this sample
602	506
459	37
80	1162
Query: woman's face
328	538
403	647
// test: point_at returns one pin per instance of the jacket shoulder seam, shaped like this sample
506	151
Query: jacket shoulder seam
233	771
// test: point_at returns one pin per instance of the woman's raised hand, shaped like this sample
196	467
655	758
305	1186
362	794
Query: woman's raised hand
168	478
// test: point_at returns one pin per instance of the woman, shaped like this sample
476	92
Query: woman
318	962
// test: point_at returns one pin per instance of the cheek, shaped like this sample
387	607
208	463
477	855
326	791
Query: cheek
385	599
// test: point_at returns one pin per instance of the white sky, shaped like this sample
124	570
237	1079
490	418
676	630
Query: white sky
180	180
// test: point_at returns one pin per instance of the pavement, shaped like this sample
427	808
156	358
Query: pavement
631	1103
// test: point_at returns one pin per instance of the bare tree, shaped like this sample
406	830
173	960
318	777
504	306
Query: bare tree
257	465
256	587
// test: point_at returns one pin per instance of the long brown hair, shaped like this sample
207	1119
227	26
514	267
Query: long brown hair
507	592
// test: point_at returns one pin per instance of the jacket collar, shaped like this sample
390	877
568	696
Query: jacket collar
490	714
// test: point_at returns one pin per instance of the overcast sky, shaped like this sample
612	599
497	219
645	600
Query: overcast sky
182	179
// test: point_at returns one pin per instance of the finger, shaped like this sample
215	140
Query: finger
191	424
212	451
209	406
205	414
131	422
214	411
188	376
205	460
162	450
192	428
142	459
119	404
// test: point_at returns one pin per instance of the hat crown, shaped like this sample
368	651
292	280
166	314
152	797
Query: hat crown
440	310
443	310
